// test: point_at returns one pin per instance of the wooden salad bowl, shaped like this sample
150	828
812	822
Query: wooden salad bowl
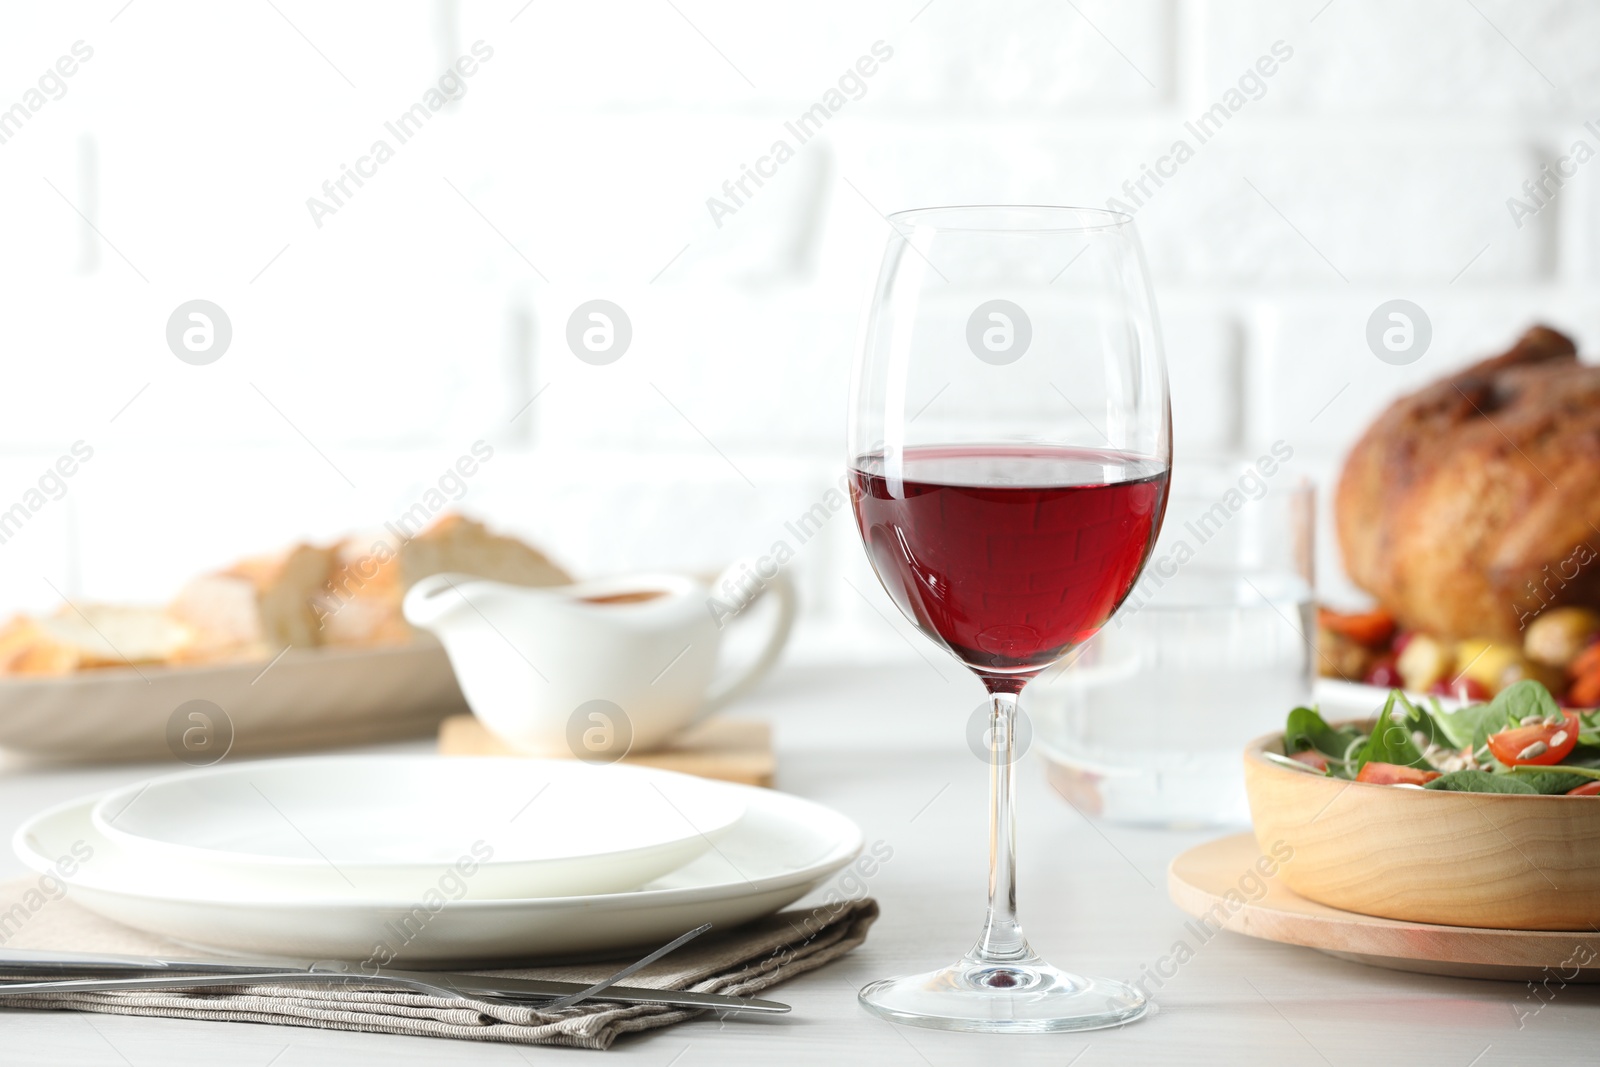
1458	859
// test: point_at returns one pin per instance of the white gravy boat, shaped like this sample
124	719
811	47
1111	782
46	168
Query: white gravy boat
593	670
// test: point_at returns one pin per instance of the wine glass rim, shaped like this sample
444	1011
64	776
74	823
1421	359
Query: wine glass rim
1010	218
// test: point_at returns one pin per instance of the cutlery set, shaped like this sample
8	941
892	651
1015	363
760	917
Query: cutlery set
25	972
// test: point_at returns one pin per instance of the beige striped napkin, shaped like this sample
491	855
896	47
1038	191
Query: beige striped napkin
738	962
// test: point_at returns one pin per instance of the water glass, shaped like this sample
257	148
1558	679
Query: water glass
1145	724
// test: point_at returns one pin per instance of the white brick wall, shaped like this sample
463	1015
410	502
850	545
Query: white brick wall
431	306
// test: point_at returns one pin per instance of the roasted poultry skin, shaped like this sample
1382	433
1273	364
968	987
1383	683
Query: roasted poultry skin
1473	504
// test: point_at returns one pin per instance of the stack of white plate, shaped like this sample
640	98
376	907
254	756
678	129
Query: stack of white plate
417	859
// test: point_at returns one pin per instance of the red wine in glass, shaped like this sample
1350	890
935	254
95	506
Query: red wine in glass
1008	555
989	326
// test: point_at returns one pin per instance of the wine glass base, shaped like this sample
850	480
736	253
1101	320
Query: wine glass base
1032	998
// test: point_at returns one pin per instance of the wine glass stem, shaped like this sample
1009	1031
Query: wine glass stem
1002	941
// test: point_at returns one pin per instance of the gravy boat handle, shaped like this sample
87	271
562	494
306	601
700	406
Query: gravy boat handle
736	682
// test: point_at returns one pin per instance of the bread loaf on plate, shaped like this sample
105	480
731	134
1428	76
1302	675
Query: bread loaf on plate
95	636
360	604
262	603
307	596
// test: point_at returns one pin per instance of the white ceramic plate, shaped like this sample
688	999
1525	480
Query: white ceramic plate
782	849
311	698
353	827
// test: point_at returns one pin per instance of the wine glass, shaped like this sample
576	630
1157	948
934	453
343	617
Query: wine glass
1009	447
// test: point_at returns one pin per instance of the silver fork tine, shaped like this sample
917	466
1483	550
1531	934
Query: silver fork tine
602	986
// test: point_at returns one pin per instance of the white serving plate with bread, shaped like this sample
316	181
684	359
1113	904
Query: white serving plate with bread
303	648
309	698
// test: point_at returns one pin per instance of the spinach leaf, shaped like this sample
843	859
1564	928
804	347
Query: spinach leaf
1391	740
1418	719
1551	780
1307	729
1587	774
1460	727
1584	755
1513	704
1480	782
1473	724
1524	698
1588	727
1527	697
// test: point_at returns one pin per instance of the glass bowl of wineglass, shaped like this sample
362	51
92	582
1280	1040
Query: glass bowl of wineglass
1009	449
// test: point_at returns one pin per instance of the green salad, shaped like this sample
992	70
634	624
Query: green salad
1522	741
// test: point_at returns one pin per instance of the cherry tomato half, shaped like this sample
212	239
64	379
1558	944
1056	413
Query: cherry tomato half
1394	774
1587	789
1311	758
1372	628
1557	741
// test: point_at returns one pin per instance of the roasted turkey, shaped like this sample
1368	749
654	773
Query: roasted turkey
1473	504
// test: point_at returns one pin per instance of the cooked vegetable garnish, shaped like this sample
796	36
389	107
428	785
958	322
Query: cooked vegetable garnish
1368	628
1519	742
1394	774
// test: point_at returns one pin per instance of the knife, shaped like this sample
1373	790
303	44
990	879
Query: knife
87	972
512	990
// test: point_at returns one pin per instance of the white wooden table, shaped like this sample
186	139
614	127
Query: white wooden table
886	746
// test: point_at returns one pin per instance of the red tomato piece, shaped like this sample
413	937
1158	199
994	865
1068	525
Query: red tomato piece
1549	743
1587	789
1588	661
1394	774
1311	758
1371	628
1585	690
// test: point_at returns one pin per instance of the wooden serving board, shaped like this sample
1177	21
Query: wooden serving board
730	750
1200	880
